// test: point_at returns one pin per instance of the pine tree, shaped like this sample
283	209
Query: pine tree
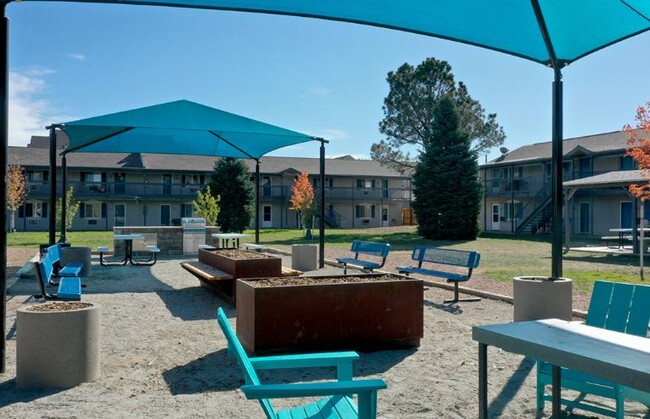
231	182
446	184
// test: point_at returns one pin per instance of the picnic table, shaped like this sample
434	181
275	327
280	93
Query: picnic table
606	354
226	237
624	234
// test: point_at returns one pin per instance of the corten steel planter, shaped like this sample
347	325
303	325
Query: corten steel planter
363	316
255	267
57	349
536	297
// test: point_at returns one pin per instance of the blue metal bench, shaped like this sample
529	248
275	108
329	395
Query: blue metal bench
69	287
440	256
337	403
379	250
53	255
613	306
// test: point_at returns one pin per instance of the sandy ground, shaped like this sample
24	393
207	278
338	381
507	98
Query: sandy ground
163	355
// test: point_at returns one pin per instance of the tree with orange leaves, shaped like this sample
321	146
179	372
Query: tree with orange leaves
302	199
16	192
639	149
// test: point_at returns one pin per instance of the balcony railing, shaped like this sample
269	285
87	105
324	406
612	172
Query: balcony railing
103	190
528	185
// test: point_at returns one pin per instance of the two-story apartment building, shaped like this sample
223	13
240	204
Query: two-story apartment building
518	187
118	189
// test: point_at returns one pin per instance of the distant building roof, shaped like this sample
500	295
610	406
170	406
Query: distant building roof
591	144
608	180
39	157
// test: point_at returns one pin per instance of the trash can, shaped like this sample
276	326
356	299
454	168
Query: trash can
304	257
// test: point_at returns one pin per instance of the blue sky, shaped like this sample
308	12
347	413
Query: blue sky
71	61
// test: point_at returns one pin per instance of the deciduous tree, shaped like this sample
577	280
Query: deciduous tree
409	114
16	192
639	149
72	206
231	182
207	206
302	199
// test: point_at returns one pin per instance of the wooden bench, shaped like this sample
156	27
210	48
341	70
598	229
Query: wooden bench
204	272
440	256
614	306
337	401
69	287
379	250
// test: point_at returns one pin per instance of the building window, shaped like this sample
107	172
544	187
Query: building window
329	182
193	179
187	210
92	210
627	163
364	211
33	210
36	175
512	209
366	183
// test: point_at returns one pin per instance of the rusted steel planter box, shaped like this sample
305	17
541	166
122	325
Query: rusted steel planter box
255	267
363	316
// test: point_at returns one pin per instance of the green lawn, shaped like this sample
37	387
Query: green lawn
502	256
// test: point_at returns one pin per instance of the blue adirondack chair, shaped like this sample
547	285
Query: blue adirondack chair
621	307
337	402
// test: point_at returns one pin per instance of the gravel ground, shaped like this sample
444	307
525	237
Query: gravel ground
164	356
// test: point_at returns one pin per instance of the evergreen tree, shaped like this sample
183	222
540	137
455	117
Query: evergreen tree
231	182
446	184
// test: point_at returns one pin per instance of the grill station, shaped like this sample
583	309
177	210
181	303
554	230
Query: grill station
193	234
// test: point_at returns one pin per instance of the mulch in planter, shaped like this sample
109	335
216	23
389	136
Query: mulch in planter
59	307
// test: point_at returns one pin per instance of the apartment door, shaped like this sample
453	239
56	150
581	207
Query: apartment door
165	215
266	217
496	217
384	217
167	184
626	214
119	213
585	217
120	183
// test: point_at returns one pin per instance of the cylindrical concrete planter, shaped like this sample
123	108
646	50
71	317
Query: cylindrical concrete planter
537	297
77	255
58	345
304	257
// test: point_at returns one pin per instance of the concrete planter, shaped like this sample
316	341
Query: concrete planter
537	297
57	349
304	257
77	255
366	316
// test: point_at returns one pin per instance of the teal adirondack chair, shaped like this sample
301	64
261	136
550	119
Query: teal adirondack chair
337	402
613	306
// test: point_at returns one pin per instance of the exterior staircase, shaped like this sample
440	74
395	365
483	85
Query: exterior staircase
537	214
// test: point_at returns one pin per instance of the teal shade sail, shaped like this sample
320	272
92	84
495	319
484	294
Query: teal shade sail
575	27
180	127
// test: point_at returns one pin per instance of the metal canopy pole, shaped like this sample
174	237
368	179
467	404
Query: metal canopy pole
257	202
4	95
556	249
321	233
64	186
52	212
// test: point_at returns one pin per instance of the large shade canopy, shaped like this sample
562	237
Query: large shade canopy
180	127
574	28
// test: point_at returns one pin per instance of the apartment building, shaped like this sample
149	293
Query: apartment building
518	187
117	189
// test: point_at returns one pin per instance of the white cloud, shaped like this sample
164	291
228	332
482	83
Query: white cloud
76	56
331	134
29	113
319	91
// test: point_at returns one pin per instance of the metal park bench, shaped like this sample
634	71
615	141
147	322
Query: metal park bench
336	401
379	250
69	287
439	256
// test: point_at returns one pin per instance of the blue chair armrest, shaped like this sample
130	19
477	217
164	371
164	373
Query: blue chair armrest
342	360
274	391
